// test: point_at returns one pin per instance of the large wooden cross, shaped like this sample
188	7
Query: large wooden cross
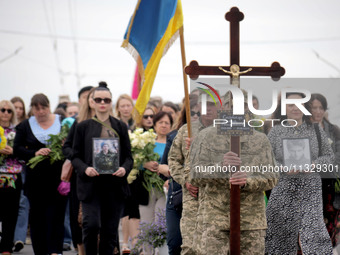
234	16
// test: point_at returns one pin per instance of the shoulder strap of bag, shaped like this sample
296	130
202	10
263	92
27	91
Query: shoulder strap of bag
107	126
318	135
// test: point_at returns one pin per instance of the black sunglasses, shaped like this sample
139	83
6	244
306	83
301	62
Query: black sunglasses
192	113
148	116
106	100
3	110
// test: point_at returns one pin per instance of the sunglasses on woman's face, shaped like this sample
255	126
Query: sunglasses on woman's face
148	116
192	113
3	110
106	100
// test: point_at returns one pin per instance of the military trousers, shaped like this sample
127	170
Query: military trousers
188	223
216	241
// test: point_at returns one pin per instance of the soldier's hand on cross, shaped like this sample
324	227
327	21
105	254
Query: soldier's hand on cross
231	159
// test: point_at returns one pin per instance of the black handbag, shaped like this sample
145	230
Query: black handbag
176	198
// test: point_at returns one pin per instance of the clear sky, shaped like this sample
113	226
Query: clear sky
302	35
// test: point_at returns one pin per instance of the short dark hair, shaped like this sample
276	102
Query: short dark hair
40	99
160	115
82	90
62	105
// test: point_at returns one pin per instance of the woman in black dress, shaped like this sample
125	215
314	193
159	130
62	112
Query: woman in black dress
47	205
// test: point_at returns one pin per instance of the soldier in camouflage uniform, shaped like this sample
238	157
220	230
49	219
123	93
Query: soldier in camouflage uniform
180	170
212	149
106	160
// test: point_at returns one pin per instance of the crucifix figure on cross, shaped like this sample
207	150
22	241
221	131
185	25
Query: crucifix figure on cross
257	144
235	71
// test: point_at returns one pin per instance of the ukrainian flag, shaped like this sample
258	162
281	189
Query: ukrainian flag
152	29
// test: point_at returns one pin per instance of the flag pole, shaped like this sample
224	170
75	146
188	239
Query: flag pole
186	93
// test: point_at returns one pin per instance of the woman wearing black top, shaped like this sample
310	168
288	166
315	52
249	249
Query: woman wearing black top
102	196
47	206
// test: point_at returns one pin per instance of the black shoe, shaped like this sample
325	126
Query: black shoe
18	246
66	247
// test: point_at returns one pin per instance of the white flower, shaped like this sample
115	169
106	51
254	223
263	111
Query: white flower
330	141
138	131
132	176
11	135
134	143
132	136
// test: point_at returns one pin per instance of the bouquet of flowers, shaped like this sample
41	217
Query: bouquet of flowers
55	143
9	142
3	140
151	234
142	145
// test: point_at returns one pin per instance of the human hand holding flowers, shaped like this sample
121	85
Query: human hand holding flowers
152	166
142	146
8	150
53	150
43	152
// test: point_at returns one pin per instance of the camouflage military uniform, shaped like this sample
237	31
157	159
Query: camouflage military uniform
106	162
208	149
180	170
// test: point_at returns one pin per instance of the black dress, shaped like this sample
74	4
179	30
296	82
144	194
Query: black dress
47	206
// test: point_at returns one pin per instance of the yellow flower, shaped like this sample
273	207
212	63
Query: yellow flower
3	140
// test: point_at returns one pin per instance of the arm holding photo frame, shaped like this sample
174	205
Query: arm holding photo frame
297	154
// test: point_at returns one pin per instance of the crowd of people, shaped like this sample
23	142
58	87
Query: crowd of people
69	199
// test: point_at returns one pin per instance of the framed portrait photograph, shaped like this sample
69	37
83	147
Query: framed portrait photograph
296	153
105	155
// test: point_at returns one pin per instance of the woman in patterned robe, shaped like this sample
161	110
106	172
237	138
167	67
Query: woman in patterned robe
294	212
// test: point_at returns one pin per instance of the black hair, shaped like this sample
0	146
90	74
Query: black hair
62	105
102	87
277	113
321	99
160	115
82	90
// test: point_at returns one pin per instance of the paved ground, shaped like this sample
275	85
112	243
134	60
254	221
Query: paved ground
29	251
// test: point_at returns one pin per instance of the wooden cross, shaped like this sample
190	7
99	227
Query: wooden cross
234	16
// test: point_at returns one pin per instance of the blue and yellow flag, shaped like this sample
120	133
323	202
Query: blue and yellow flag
153	27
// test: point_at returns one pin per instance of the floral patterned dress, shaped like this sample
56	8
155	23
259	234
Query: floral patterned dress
10	167
294	209
10	188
